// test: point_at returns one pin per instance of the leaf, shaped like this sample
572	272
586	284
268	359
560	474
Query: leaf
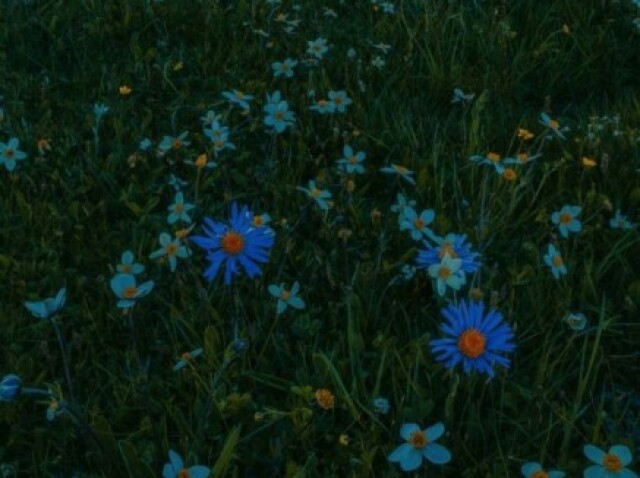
226	454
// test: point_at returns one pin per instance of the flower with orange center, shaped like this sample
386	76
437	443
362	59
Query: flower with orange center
524	134
472	338
286	297
170	250
494	157
553	259
609	464
125	288
399	170
535	470
523	157
9	153
420	444
235	243
325	399
567	220
177	469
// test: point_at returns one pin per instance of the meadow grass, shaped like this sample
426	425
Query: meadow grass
292	393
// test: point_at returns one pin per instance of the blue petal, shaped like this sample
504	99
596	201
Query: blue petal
622	452
199	471
408	429
436	453
530	468
434	432
594	453
594	471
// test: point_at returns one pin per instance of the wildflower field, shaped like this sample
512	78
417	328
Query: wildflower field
265	238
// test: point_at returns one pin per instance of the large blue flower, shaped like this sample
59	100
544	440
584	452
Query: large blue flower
237	242
473	339
453	244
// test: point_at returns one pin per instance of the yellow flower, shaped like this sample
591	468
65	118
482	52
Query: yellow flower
125	90
524	134
509	174
588	162
325	398
344	439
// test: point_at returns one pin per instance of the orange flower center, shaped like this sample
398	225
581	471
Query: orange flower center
285	294
126	268
279	115
472	343
553	124
315	192
353	160
257	221
509	174
565	218
494	157
337	100
447	248
523	157
444	272
9	153
184	473
171	249
419	223
557	261
400	169
232	243
129	292
322	102
418	439
201	162
179	207
186	356
239	95
539	474
176	144
611	462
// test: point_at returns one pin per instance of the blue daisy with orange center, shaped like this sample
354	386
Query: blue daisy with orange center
235	243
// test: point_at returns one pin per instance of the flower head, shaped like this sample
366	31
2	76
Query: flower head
233	243
318	195
453	244
611	464
400	171
567	219
277	112
170	143
447	273
381	405
576	321
535	470
185	358
555	261
340	100
172	249
620	221
127	264
417	224
179	209
284	68
239	98
325	398
9	153
43	309
286	297
475	340
125	288
420	444
10	387
352	162
317	48
551	124
176	469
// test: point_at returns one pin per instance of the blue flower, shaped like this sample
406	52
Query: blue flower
124	286
233	243
535	470
490	159
317	47
286	297
219	136
185	358
319	195
9	153
620	221
417	225
239	98
172	248
460	96
127	266
340	100
554	260
10	387
175	468
566	219
170	143
145	144
176	182
381	405
453	244
44	309
447	273
576	321
400	171
473	339
285	68
99	110
278	114
178	210
609	465
551	124
400	204
420	444
352	163
323	106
